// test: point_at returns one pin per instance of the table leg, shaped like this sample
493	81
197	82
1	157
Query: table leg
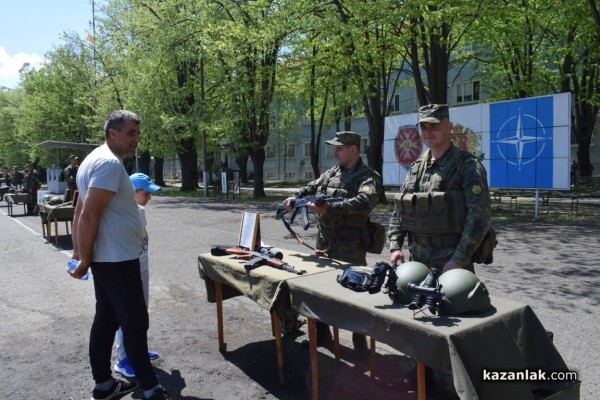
314	368
219	299
278	346
336	343
56	231
421	381
372	358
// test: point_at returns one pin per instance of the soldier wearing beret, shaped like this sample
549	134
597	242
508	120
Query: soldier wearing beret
342	231
444	205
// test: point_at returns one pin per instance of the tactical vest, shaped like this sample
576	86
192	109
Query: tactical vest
440	210
332	185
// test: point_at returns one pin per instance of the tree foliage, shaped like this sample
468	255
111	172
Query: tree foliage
241	73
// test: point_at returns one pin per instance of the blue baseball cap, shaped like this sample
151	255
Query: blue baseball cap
143	181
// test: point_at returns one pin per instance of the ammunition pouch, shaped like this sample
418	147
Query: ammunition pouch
376	237
485	252
441	241
432	213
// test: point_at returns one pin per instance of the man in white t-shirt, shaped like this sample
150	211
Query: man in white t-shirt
107	231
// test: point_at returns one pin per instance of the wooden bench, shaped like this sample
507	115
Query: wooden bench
546	196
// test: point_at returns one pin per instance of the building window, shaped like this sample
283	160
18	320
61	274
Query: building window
269	152
306	149
395	103
290	151
467	92
329	150
270	174
309	175
290	174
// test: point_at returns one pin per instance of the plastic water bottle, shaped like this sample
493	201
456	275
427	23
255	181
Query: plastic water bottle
72	264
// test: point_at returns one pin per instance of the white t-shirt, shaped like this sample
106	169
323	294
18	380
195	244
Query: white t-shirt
121	230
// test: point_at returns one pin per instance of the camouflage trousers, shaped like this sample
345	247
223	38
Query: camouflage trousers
347	246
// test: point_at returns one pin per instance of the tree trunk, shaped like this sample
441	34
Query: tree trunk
188	157
584	122
242	162
144	162
159	163
258	160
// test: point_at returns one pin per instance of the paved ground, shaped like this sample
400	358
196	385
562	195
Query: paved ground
46	315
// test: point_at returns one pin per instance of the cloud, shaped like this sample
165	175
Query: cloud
11	64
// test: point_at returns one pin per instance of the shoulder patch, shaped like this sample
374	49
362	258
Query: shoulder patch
476	189
366	188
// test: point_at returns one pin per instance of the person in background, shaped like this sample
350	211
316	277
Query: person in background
17	177
70	173
31	185
144	187
5	176
107	232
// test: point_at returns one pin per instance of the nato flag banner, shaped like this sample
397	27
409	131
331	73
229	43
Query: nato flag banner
523	143
521	148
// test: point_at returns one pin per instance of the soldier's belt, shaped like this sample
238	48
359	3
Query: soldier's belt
445	240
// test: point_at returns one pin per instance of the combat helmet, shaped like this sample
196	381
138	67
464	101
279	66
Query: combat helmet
463	292
408	272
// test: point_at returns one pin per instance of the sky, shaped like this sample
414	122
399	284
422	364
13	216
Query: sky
31	28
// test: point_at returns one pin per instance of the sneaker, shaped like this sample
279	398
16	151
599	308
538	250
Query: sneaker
153	355
124	368
160	393
117	389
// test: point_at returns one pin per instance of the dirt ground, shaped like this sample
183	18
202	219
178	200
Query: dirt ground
46	315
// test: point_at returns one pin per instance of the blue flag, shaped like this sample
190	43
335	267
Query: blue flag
521	143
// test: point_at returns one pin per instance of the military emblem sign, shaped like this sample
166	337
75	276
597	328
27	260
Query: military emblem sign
408	145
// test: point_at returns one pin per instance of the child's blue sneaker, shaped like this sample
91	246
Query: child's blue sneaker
124	368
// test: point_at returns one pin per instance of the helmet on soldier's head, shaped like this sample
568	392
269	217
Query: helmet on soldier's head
408	272
463	292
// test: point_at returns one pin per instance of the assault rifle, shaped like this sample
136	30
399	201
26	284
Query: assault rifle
300	204
262	256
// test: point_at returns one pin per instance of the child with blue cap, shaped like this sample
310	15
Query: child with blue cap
144	187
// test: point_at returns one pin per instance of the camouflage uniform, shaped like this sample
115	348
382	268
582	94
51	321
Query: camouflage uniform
17	178
435	250
343	229
70	175
31	185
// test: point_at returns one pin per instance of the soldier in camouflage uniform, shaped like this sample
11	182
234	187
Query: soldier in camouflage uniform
70	174
457	183
31	185
343	233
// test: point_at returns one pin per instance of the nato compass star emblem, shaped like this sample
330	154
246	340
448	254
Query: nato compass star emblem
523	148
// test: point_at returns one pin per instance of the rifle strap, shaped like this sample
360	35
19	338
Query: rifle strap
302	242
